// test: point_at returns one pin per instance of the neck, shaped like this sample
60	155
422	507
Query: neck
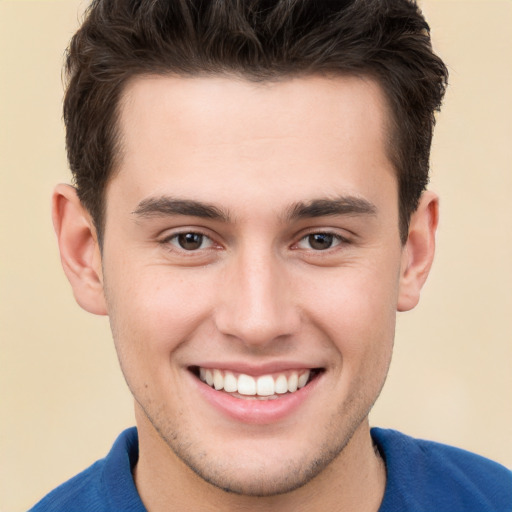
354	481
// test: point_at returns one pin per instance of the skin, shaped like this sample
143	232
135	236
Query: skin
256	292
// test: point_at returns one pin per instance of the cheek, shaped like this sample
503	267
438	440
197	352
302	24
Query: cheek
153	310
356	309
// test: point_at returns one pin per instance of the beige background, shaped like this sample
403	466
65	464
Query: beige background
63	399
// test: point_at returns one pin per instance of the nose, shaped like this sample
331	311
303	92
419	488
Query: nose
256	303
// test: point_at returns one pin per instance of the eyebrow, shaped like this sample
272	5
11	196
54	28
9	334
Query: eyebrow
164	206
345	205
167	206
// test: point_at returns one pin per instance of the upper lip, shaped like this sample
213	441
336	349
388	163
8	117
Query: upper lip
256	369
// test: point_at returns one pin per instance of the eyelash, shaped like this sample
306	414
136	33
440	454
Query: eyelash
337	240
175	236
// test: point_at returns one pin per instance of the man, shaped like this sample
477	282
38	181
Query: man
250	211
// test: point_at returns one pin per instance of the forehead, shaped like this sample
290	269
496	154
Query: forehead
242	108
190	133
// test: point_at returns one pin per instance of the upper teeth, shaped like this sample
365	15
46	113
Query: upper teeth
264	385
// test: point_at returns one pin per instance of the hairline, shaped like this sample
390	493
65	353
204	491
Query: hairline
390	127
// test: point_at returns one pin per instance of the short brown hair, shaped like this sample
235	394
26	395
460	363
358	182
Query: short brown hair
387	40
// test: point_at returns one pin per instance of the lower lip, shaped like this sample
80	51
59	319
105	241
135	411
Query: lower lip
256	411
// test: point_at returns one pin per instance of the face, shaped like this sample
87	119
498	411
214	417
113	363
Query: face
251	265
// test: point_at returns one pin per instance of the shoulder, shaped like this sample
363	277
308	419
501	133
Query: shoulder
83	490
106	486
424	475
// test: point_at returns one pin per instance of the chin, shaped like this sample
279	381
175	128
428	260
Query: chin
263	481
265	469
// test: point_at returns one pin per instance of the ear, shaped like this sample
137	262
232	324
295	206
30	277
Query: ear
79	249
418	252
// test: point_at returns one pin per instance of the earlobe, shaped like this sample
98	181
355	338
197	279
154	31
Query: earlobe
79	249
418	252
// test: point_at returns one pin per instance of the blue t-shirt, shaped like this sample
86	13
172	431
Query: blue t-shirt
422	476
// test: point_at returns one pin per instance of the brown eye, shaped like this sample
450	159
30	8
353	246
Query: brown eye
189	241
320	241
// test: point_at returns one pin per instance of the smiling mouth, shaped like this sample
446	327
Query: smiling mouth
262	387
